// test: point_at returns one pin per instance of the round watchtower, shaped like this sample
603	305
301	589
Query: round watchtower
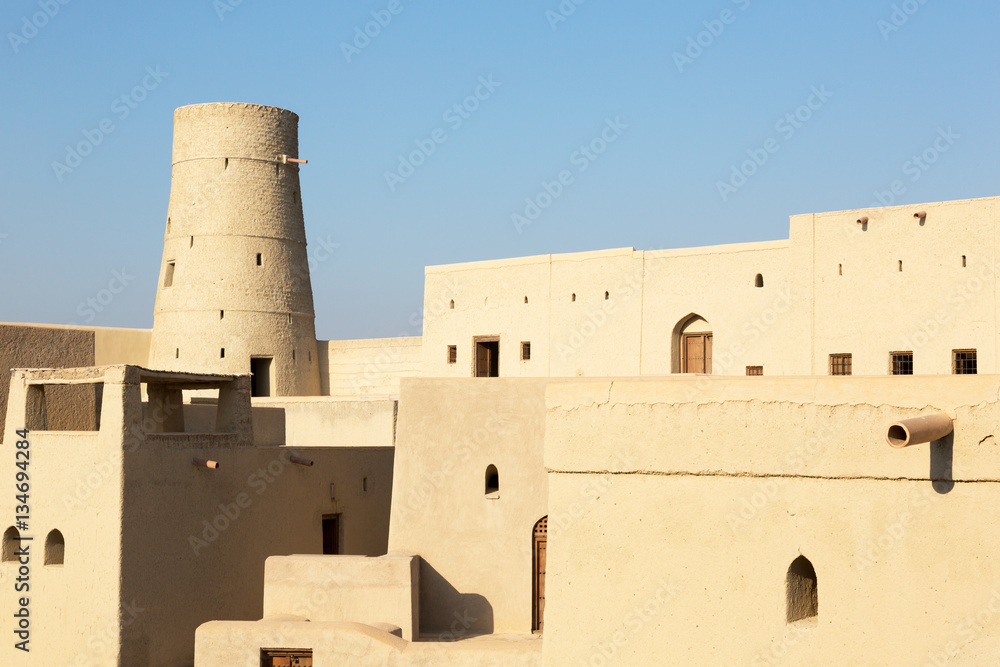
234	294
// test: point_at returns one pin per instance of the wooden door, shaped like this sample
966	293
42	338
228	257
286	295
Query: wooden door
540	539
697	353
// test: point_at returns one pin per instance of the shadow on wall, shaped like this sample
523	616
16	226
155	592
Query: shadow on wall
941	463
447	615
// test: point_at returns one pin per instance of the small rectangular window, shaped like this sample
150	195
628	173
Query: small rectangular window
222	353
525	351
755	370
901	363
258	259
452	354
840	364
168	275
963	362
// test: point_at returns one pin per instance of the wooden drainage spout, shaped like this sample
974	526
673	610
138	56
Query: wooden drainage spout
918	430
206	463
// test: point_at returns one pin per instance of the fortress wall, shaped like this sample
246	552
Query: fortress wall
932	306
371	367
475	550
681	515
324	422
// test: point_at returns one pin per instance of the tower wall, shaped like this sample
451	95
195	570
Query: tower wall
234	274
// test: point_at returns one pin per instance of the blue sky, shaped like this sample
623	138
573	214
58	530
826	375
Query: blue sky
830	103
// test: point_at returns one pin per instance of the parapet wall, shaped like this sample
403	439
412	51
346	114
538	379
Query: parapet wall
692	498
370	367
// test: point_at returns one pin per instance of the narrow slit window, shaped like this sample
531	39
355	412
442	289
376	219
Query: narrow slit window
222	314
526	299
963	362
452	305
758	281
452	354
225	165
191	243
168	275
525	350
901	363
258	259
963	261
840	364
364	485
222	353
293	355
573	297
607	295
900	265
840	269
492	480
177	353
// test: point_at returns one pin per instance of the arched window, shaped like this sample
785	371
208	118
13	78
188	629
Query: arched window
758	281
801	591
55	548
11	543
492	479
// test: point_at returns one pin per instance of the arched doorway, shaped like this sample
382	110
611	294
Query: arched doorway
539	539
692	345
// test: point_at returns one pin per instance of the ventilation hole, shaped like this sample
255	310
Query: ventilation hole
801	591
758	281
492	479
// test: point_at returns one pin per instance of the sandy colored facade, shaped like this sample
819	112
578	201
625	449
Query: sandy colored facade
569	467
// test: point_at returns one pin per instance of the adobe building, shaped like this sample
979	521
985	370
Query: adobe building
671	420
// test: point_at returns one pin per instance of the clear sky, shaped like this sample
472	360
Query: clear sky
648	111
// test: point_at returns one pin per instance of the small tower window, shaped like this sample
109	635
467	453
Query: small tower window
225	165
963	261
191	244
758	281
55	548
168	225
364	485
492	480
900	265
222	353
801	591
11	543
452	304
293	355
258	259
573	297
177	353
168	275
222	314
607	295
840	269
525	350
526	299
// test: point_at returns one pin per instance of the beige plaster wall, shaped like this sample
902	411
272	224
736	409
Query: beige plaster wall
832	287
475	572
74	487
324	422
255	505
691	508
345	588
371	367
237	644
121	346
